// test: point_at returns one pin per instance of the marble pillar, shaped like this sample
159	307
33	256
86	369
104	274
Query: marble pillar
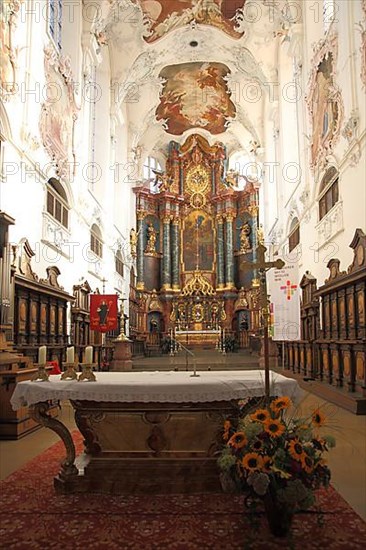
175	253
253	210
166	272
220	253
140	251
229	252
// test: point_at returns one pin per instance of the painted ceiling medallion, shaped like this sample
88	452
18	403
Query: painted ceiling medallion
195	95
163	16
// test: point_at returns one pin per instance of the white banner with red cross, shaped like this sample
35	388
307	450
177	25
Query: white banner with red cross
284	291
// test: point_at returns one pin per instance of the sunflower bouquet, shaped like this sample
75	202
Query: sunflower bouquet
271	453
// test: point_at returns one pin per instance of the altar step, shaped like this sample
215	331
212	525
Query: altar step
204	359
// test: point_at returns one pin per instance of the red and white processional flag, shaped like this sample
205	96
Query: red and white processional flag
103	312
283	287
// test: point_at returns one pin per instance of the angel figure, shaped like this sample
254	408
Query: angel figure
260	234
133	242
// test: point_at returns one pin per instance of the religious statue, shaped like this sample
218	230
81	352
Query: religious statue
151	238
133	242
245	231
260	234
162	180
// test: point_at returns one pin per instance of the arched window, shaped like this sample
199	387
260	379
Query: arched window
55	21
328	194
119	263
150	164
57	204
294	235
96	243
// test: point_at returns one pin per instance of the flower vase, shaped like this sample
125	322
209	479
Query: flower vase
279	516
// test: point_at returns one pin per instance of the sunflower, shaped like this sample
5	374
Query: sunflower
257	445
260	415
238	440
274	427
281	403
252	462
318	418
307	463
296	449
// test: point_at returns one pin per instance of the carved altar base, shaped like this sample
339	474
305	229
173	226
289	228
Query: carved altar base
147	448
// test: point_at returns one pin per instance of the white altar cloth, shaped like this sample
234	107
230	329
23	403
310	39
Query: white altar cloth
158	387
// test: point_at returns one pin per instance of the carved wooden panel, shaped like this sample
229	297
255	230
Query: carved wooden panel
360	369
351	312
360	307
342	313
336	370
334	315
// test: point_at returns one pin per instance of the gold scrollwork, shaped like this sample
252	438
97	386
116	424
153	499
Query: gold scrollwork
198	284
197	180
198	200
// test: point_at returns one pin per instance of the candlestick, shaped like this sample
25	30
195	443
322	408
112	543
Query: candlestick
70	355
87	367
42	351
41	374
89	355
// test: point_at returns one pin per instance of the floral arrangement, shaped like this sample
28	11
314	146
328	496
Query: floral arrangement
270	453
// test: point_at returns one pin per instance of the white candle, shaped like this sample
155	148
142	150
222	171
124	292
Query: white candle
42	355
70	355
89	355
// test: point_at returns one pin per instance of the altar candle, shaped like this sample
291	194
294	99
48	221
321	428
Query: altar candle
42	355
89	355
70	355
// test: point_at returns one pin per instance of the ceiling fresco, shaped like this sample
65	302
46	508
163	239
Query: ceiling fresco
195	95
164	16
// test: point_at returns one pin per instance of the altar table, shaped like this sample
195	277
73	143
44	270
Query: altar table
146	432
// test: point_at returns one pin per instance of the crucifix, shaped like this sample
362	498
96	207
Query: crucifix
263	267
122	335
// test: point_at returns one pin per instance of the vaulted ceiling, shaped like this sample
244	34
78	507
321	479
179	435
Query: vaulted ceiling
184	66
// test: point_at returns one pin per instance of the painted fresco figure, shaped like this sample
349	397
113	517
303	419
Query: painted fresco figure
102	311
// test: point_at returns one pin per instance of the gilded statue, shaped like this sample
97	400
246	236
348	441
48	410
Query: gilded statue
133	242
151	238
245	231
260	234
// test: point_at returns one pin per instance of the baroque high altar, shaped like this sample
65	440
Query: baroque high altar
196	241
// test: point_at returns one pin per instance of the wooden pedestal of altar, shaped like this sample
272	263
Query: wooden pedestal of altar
147	448
147	433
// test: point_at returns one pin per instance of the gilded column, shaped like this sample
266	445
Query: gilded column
167	283
175	253
229	252
220	253
140	251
